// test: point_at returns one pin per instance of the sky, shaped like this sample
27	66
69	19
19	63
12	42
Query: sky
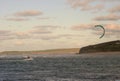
53	24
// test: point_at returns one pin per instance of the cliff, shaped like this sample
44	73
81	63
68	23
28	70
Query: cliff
112	46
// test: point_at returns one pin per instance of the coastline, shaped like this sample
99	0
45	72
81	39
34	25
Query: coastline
52	51
101	53
54	55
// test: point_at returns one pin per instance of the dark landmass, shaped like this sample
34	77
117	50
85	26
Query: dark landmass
112	46
51	51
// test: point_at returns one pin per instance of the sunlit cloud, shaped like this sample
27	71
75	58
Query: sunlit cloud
19	43
115	9
43	29
37	32
85	5
82	27
28	13
92	5
95	8
90	26
111	29
22	35
6	34
59	36
110	17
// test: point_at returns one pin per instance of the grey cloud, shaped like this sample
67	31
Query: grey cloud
47	27
43	18
38	31
17	19
50	37
46	37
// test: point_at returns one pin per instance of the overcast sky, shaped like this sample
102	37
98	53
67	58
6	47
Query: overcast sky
53	24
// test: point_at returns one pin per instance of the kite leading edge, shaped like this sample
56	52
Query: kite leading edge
103	30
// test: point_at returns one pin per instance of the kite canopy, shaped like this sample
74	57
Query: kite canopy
100	26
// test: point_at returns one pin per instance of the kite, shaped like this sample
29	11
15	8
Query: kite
103	30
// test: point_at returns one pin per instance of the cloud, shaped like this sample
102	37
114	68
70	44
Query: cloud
90	26
19	43
43	29
95	8
40	31
43	18
115	9
47	27
82	27
53	37
78	3
110	17
9	35
22	35
91	5
43	32
85	4
50	37
6	37
17	19
28	13
111	29
6	34
35	32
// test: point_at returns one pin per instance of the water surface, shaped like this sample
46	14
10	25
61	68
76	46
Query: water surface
60	68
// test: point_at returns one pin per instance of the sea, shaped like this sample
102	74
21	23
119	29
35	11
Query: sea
60	67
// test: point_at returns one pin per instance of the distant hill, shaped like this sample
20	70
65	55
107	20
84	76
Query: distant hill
51	51
112	46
